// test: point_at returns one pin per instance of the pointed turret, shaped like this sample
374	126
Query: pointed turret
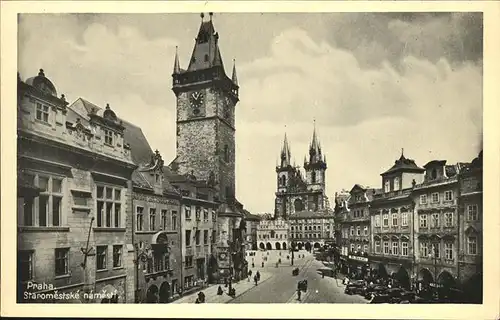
177	67
234	76
285	153
206	51
315	148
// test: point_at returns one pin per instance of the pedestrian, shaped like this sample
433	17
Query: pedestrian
201	297
219	291
253	265
255	279
197	300
322	275
262	264
258	275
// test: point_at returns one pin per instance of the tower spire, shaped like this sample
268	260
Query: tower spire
234	77
285	153
177	68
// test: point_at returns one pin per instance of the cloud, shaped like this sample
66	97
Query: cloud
369	93
364	115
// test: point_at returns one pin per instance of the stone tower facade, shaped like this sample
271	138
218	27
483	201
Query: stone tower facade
296	192
206	100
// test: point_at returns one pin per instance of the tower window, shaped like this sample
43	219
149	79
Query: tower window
313	177
226	153
283	180
206	58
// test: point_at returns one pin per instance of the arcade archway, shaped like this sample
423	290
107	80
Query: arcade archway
308	246
152	294
164	292
300	245
402	278
317	245
382	271
278	246
425	276
284	245
262	246
269	246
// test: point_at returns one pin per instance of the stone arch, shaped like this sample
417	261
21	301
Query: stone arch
425	276
317	245
284	246
298	205
262	246
277	245
402	278
382	271
164	292
446	279
254	246
300	245
152	294
307	246
269	246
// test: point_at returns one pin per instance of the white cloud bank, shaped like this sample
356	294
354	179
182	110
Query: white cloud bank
363	116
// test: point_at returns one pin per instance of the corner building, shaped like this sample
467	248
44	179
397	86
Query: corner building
206	100
74	199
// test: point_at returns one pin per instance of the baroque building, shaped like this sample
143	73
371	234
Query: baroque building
206	101
272	234
392	225
74	198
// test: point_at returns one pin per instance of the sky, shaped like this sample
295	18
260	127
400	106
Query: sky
373	84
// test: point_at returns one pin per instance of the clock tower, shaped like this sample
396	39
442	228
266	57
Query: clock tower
206	100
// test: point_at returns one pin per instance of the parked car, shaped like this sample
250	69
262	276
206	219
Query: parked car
380	298
374	289
355	287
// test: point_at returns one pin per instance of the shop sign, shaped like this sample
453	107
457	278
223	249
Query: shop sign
362	259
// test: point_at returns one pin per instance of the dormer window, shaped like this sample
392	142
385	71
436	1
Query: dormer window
42	112
108	137
387	186
433	174
396	183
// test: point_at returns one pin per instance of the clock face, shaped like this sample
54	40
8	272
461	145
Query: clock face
196	99
222	256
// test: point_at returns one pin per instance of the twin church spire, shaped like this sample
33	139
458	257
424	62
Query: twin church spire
315	153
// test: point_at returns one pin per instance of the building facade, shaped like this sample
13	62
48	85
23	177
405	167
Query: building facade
470	222
272	234
311	229
199	230
392	230
75	231
252	224
355	229
436	226
206	99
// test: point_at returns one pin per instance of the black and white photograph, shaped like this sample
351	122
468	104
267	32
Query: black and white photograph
249	158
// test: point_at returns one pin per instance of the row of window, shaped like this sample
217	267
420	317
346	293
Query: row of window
395	247
164	219
26	261
42	114
435	220
306	235
299	228
448	196
345	232
358	248
197	237
432	250
307	221
206	213
395	220
272	235
157	263
46	209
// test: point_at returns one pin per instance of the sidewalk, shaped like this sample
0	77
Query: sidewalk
211	292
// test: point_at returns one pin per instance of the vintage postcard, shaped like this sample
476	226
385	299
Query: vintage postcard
241	154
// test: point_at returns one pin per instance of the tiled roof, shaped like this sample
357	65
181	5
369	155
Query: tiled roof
435	163
133	135
405	165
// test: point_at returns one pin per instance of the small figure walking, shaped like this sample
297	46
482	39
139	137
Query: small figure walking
262	264
255	279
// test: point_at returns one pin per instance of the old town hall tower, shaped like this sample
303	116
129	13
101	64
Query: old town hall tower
206	100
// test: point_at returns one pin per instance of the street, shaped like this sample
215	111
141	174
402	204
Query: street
281	286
